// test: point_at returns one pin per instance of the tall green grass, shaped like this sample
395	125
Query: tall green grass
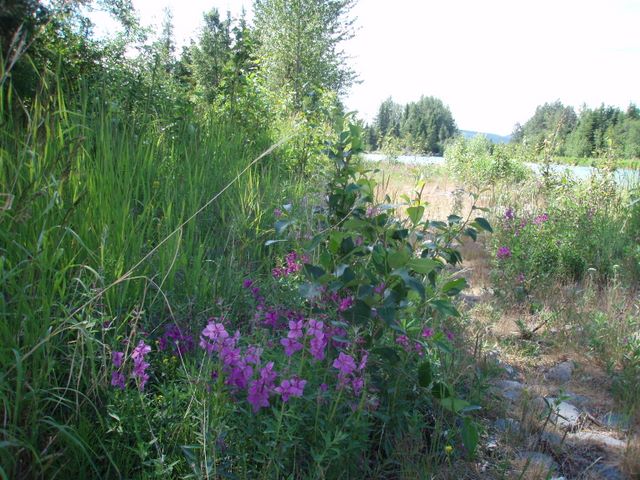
94	189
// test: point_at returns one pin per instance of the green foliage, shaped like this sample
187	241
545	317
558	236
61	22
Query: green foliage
480	162
93	189
557	130
550	121
420	127
299	46
549	245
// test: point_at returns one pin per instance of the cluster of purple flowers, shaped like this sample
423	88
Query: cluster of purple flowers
503	253
540	219
350	374
292	264
238	366
176	339
140	366
509	214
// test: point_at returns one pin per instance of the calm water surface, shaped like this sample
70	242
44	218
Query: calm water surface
623	176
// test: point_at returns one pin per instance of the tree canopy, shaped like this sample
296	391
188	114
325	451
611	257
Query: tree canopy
422	126
589	133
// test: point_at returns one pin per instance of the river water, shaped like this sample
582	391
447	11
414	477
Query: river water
623	176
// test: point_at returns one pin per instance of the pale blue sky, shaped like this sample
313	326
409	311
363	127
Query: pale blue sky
492	62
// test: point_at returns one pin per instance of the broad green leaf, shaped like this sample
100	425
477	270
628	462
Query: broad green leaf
454	286
483	224
314	271
445	307
470	437
455	405
410	282
441	390
423	266
424	374
415	213
398	259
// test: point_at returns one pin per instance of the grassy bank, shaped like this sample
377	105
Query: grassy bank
98	245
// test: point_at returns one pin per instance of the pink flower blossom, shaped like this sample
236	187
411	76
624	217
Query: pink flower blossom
117	358
291	388
345	363
345	304
118	380
427	332
295	329
503	253
291	346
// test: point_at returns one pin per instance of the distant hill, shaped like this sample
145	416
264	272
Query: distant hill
491	136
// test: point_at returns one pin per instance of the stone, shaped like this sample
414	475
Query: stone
597	437
608	472
616	420
551	438
564	414
539	460
577	399
491	445
507	425
561	373
509	389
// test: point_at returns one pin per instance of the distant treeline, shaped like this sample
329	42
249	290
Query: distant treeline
590	133
419	127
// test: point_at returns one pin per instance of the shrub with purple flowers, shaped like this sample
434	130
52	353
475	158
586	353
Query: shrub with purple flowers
346	333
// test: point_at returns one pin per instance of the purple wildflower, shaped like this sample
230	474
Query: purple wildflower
508	214
402	340
247	282
258	395
118	380
260	389
277	212
253	354
271	318
503	253
357	384
140	351
291	388
318	344
291	346
345	363
215	331
449	335
345	304
229	355
379	289
174	336
315	327
427	332
240	374
363	360
540	219
295	329
117	358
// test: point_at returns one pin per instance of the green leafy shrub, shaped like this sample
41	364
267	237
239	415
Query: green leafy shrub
572	228
480	162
